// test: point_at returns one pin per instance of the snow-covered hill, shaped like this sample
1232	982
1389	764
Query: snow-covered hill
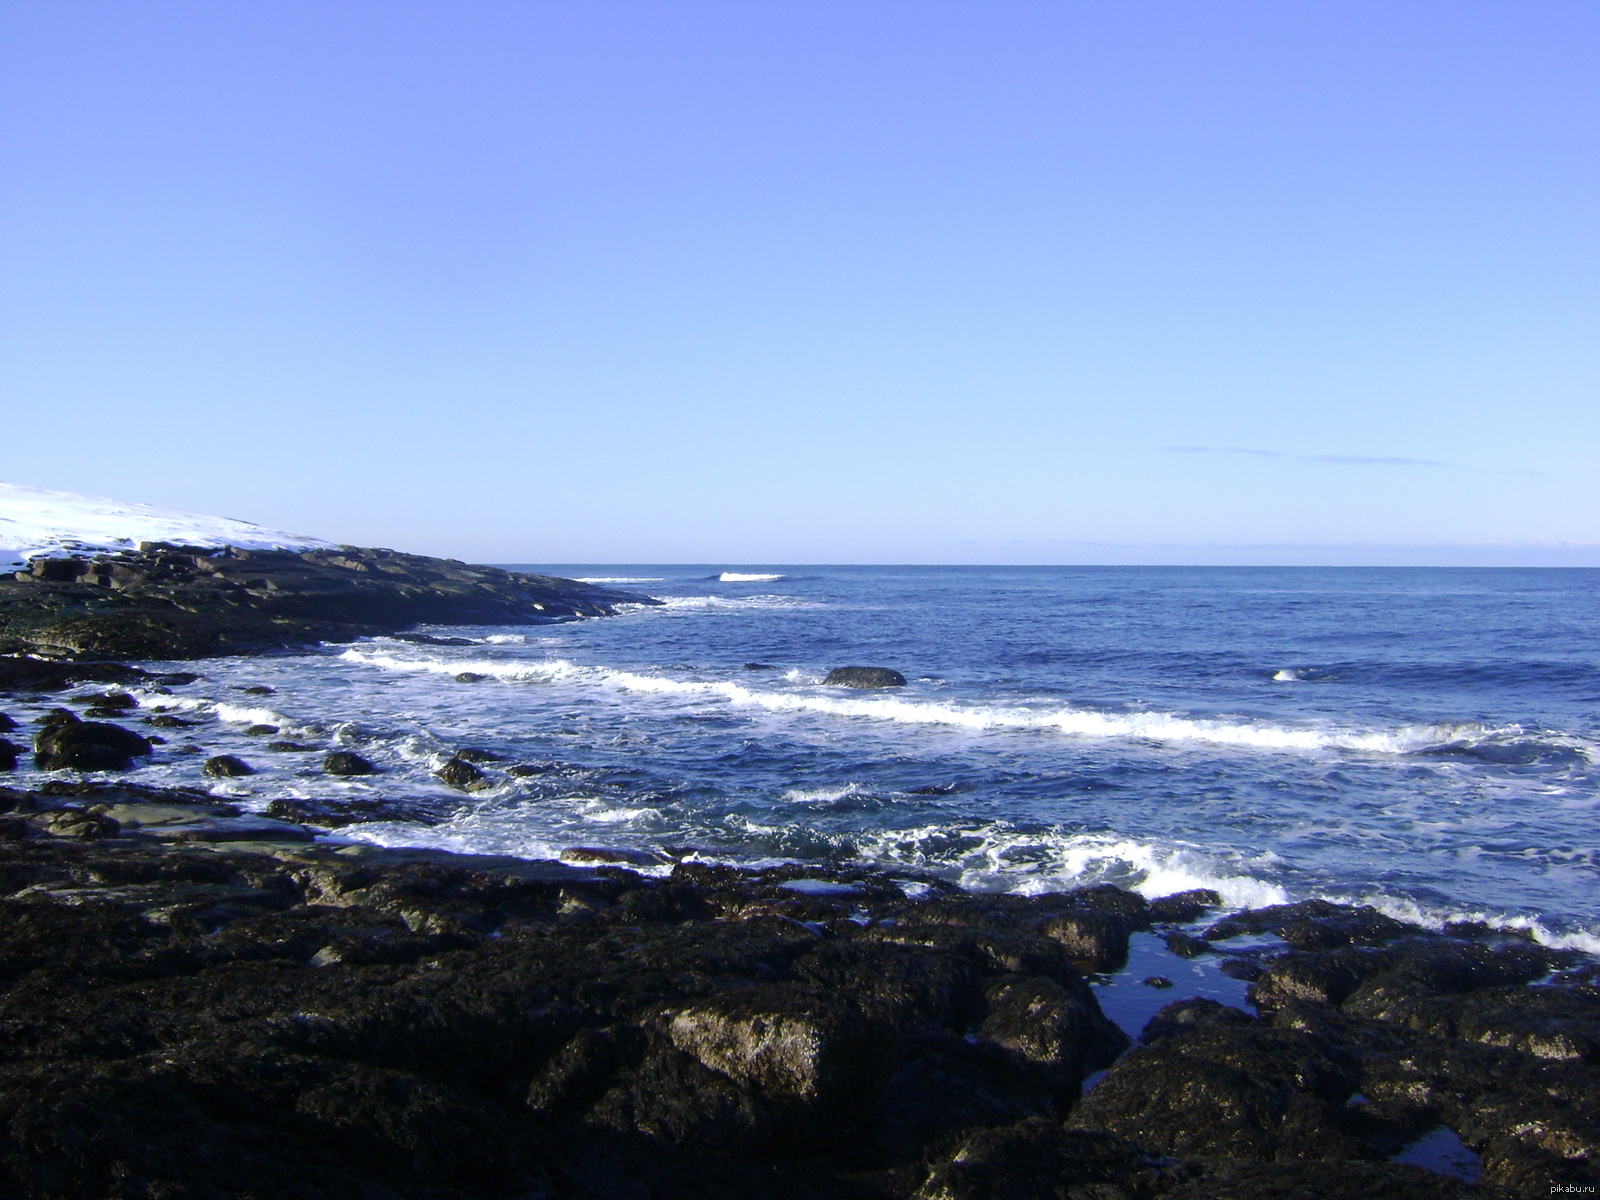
35	522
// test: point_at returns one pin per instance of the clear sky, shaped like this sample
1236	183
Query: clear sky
814	282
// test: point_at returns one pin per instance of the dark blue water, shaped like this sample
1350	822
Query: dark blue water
1426	739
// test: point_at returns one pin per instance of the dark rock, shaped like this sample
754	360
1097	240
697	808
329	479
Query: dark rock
1095	938
610	854
470	677
175	678
1157	981
87	746
1186	945
165	721
347	762
9	751
258	689
1182	907
1313	925
759	666
290	747
115	701
6	723
1036	1158
81	824
1321	1180
473	755
180	602
335	814
1059	1029
425	639
1232	1089
260	730
21	673
463	776
865	677
226	766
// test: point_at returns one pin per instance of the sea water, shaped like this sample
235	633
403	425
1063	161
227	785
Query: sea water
1425	740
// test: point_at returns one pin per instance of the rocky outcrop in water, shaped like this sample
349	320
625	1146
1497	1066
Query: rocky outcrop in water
199	1002
865	677
173	602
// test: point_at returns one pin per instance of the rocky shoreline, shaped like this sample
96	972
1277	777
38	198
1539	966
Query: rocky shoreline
164	601
200	1001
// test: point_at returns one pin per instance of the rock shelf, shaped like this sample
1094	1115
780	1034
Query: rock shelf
200	1002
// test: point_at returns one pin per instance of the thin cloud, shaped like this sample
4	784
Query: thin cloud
1357	459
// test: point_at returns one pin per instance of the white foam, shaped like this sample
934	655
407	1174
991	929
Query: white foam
1064	719
1403	908
744	577
999	857
1287	675
36	522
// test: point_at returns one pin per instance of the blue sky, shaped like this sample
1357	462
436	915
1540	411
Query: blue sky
815	282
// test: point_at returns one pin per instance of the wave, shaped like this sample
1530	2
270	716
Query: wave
1403	908
742	577
1157	727
621	579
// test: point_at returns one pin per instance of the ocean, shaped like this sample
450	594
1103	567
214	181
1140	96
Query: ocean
1424	740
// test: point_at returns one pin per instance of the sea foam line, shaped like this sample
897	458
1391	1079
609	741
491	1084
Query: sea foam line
1153	726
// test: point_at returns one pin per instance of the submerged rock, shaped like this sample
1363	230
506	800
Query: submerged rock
226	766
463	776
347	762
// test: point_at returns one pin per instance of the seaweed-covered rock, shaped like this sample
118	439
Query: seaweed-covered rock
1220	1086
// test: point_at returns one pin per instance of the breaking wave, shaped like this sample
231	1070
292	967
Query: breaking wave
1158	727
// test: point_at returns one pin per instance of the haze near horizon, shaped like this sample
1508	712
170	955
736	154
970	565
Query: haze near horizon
819	282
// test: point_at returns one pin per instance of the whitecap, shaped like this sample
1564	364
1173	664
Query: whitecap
746	577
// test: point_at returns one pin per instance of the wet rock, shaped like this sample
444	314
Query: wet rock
610	854
226	766
1318	1180
347	762
1037	1158
470	677
1156	981
290	747
260	730
22	673
865	677
780	1044
112	701
6	723
1313	925
472	754
1056	1028
80	824
1186	945
164	721
1180	908
9	751
1094	938
463	776
1231	1089
258	689
87	746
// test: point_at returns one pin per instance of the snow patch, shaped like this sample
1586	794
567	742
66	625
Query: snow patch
36	522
